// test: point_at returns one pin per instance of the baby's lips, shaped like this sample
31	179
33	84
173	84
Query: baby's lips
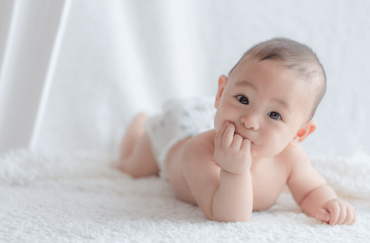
243	137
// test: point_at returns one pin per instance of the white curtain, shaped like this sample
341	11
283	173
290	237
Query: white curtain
74	72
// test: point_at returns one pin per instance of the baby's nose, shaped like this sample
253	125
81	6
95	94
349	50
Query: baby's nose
250	122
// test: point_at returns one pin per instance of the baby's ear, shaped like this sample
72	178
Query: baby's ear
221	86
308	128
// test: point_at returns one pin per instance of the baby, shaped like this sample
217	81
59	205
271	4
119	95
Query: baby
238	158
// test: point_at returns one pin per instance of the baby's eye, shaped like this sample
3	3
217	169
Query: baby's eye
274	115
242	99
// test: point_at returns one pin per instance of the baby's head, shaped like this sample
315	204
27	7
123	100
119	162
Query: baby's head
271	95
295	57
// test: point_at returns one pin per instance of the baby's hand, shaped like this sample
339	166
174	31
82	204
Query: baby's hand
232	152
337	211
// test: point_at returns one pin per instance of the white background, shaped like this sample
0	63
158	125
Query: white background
74	73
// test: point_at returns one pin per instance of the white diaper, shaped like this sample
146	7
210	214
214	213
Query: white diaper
180	118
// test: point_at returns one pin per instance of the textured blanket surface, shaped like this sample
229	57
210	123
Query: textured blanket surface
83	198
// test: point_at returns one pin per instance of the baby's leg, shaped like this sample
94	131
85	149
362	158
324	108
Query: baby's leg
136	157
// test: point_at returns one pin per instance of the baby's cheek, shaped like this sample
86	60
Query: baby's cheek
272	145
217	122
216	126
281	142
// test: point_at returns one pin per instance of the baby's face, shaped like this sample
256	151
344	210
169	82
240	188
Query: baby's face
267	104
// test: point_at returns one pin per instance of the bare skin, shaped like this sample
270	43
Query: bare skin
254	151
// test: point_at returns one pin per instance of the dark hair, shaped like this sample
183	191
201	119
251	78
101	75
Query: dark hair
293	56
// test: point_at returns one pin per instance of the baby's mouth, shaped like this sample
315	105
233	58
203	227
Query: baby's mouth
243	136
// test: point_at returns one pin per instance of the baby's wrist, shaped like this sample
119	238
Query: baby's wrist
237	170
238	173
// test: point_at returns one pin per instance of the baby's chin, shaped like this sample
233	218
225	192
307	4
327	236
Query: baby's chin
260	152
264	153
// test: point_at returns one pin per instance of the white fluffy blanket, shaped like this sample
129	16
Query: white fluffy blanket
82	198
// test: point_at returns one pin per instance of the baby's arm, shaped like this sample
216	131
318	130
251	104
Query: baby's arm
224	195
316	198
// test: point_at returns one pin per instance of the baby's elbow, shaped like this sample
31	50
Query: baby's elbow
247	219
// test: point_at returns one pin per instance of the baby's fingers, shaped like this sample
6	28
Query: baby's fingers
342	214
323	215
237	141
334	210
350	216
354	217
220	133
246	145
228	136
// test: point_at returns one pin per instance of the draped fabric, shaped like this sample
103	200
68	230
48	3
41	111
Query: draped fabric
73	73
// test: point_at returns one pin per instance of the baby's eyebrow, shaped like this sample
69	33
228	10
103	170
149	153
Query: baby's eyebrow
282	103
246	83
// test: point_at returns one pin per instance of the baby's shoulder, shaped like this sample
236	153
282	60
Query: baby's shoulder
292	156
202	144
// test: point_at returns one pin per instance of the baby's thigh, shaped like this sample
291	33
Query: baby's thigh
142	161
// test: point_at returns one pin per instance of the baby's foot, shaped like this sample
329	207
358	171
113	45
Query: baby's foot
133	134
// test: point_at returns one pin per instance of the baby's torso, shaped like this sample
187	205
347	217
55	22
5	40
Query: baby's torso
269	176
